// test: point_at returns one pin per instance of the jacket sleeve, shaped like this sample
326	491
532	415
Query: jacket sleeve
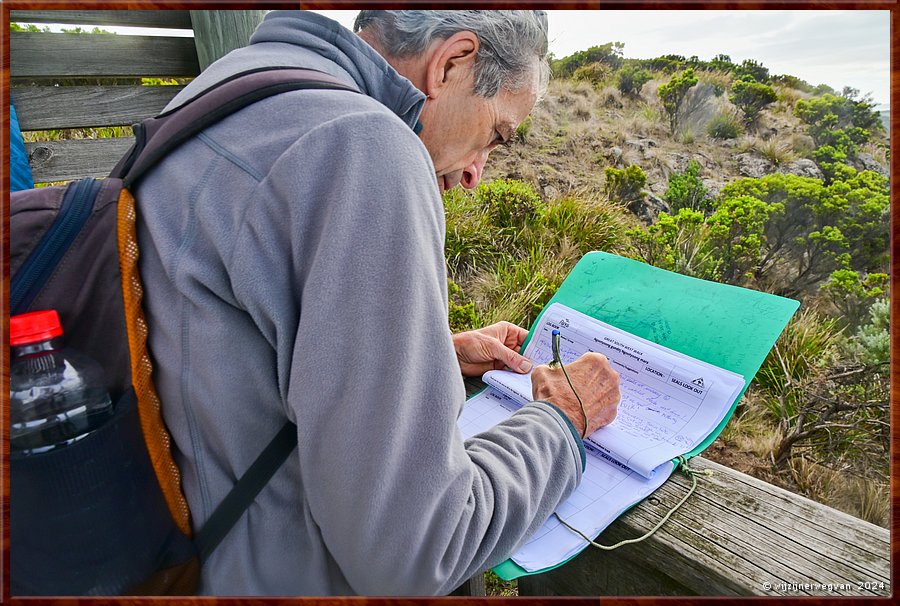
403	505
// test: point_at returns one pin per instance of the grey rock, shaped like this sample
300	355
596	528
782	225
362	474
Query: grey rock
713	188
865	161
751	166
804	167
647	209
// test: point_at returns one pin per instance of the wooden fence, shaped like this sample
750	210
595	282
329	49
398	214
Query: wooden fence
39	62
735	536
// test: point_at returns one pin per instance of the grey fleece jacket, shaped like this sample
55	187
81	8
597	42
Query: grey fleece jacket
292	258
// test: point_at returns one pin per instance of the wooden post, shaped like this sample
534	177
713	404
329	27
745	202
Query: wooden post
216	33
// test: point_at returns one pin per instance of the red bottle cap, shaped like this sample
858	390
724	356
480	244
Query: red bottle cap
34	327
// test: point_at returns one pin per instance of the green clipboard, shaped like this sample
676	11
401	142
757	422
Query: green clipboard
727	326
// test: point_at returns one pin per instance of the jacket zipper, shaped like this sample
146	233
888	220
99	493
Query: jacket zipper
78	202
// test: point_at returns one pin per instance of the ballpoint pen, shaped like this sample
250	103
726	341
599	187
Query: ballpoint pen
557	361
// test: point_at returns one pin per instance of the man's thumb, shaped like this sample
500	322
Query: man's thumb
517	362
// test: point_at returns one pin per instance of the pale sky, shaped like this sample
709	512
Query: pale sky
837	48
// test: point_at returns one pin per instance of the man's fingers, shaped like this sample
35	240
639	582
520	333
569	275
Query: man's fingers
513	360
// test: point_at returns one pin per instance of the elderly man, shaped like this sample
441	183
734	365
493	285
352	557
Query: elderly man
292	257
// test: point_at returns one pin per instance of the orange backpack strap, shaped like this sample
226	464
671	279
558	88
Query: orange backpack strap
155	433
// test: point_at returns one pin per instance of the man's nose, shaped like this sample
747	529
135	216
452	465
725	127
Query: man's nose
472	173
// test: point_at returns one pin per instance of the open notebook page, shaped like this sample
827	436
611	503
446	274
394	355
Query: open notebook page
607	489
670	401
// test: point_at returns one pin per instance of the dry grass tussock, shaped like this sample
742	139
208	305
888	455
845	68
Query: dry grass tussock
861	497
777	150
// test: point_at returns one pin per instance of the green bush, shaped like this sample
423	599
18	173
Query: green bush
630	79
625	185
595	73
724	125
873	340
853	293
679	243
686	190
752	97
828	113
752	69
609	54
672	95
511	203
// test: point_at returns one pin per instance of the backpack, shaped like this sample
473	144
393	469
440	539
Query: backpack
113	501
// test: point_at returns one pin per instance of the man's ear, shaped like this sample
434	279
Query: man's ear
451	60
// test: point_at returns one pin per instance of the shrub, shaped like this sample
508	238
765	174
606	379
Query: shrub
752	97
511	203
826	114
753	69
679	243
873	340
625	185
595	73
853	293
672	95
631	79
609	54
724	125
686	190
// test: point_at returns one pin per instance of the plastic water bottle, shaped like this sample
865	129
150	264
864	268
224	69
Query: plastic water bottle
57	394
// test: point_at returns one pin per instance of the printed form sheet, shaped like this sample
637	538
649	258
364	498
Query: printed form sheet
670	402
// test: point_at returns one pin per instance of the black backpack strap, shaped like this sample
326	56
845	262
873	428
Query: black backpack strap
156	137
238	500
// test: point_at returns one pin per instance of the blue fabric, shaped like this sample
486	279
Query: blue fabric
19	170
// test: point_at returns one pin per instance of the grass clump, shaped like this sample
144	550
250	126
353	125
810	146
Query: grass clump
724	125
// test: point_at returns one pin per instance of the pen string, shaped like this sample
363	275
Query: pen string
557	360
693	473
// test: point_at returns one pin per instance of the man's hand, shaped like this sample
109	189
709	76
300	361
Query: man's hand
597	385
494	347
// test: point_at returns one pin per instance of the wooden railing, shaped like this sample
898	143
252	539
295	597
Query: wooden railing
735	536
39	61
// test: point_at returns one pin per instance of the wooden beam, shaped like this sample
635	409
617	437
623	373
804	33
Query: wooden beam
42	55
217	33
66	160
736	535
57	107
174	19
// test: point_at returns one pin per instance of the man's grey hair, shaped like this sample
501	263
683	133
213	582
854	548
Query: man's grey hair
511	42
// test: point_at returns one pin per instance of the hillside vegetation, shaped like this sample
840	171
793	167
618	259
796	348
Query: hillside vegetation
724	172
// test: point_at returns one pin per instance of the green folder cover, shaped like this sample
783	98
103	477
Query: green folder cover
727	326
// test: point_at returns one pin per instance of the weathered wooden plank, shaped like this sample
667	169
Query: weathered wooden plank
735	536
217	33
51	107
824	530
779	504
171	19
41	55
73	159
